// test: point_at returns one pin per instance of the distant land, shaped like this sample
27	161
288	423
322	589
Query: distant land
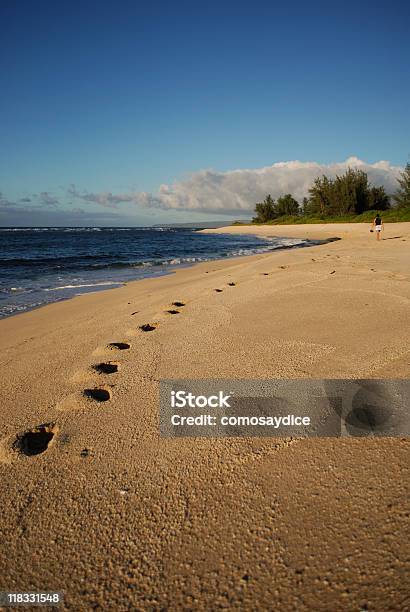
203	224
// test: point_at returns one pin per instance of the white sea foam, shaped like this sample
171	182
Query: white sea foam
84	285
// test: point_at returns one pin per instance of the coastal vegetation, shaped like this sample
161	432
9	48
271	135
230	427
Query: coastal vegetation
348	198
402	195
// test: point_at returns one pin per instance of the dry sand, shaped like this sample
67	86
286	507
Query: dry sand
120	519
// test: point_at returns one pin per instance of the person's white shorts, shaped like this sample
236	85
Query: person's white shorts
378	228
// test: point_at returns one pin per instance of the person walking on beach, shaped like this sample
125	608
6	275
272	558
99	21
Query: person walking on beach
377	226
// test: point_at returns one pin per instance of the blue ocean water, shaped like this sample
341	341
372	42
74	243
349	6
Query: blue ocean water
43	265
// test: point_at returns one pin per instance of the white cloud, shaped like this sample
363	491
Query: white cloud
236	191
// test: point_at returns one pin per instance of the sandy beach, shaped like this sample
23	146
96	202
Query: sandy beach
120	519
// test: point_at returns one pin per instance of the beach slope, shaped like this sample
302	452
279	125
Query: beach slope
118	518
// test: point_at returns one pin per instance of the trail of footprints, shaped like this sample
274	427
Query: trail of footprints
37	440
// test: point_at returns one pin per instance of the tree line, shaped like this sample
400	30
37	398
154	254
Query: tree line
348	194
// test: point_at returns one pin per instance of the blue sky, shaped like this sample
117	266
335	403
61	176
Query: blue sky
122	97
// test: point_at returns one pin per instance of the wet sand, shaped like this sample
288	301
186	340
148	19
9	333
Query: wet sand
120	519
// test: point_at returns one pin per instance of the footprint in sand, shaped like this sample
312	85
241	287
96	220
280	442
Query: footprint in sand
178	304
218	290
283	267
333	272
98	394
231	284
109	367
35	441
173	312
120	346
265	273
147	327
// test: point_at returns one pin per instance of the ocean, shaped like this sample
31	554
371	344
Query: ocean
43	265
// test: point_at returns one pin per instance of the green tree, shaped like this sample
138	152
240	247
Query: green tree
378	199
402	195
320	196
265	211
349	193
287	205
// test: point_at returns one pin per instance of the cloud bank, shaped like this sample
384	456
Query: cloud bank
105	199
232	193
236	191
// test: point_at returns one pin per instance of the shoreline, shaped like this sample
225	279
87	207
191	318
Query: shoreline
158	274
169	522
